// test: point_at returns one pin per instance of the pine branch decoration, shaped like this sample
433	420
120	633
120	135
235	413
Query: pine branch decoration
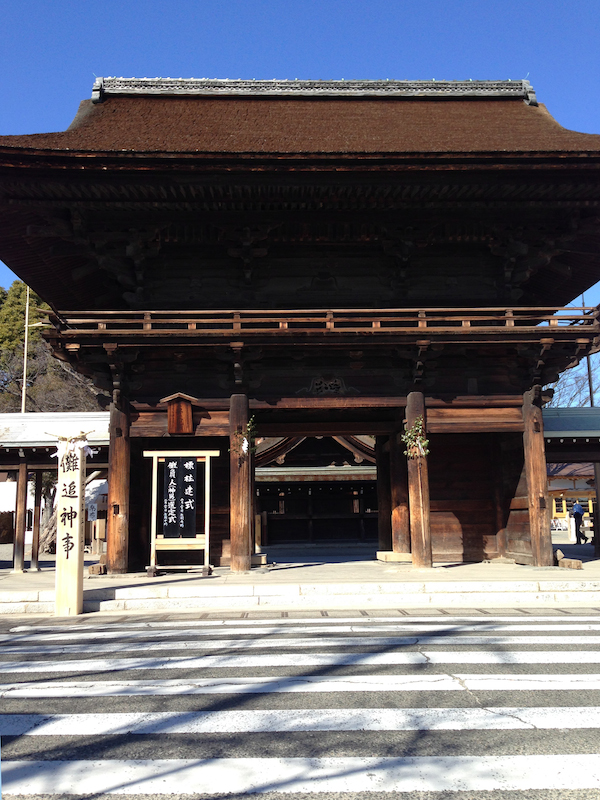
414	439
243	441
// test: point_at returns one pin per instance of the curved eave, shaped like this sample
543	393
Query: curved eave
36	159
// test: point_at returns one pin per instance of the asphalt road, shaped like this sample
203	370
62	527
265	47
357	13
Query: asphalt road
420	705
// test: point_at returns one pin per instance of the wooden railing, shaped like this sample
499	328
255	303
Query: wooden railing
340	321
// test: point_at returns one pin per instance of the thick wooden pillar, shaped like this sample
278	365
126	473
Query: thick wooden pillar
418	489
20	520
119	470
239	486
37	513
597	514
537	481
384	500
496	455
399	494
252	502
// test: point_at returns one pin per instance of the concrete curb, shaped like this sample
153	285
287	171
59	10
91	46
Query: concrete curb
294	596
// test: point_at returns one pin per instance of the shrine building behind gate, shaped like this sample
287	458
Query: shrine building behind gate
237	261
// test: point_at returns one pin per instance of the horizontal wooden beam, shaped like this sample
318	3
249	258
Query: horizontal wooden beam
333	428
474	420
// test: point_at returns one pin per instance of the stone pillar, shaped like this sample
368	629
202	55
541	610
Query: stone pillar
399	492
418	488
384	501
70	527
537	480
239	486
20	519
119	463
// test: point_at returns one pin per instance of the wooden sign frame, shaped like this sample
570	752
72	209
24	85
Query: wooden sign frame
200	541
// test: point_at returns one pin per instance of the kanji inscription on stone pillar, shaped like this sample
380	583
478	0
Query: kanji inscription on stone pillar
70	527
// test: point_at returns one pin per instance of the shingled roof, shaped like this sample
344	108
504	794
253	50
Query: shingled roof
169	116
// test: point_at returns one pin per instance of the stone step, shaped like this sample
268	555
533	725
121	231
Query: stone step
203	596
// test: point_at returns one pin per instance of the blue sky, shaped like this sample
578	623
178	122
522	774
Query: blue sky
51	49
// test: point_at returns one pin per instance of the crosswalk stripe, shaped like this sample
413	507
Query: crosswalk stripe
361	727
303	775
250	644
294	623
306	659
419	629
276	720
308	684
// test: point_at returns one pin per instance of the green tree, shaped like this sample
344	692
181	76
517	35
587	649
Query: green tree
12	316
52	385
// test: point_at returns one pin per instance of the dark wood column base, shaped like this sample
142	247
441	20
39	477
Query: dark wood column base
240	506
119	467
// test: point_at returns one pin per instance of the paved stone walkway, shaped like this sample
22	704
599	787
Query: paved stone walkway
316	578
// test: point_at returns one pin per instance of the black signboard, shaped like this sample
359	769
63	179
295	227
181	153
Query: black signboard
179	501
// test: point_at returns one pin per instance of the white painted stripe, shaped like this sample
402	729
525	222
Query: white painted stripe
306	684
272	721
212	623
301	660
302	775
247	644
274	630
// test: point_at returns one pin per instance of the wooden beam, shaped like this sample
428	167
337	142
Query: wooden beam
20	519
474	420
239	487
119	463
327	402
332	428
37	512
399	493
537	481
418	490
384	500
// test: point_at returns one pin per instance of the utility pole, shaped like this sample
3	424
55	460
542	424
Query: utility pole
24	387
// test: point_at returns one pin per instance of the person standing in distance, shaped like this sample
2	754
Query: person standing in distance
577	512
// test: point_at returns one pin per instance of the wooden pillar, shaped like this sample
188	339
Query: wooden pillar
399	492
537	481
499	501
418	489
252	502
384	500
119	470
596	539
20	519
37	513
239	486
264	533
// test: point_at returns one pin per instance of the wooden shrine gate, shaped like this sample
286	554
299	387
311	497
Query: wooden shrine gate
357	254
479	494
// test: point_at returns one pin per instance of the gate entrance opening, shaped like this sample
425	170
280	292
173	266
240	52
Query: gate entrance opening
317	491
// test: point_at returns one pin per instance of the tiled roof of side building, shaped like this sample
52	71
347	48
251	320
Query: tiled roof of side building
304	117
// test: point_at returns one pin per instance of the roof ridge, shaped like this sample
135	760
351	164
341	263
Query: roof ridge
312	88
